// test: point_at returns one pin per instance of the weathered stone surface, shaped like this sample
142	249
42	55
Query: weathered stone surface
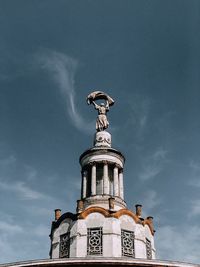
112	223
102	139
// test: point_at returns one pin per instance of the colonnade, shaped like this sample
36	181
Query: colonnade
91	171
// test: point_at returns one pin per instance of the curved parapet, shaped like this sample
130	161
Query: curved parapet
97	262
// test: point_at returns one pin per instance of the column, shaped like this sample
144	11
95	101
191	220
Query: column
121	184
116	181
84	183
93	179
105	178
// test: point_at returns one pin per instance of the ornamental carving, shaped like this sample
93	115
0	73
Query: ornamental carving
94	241
148	249
127	240
65	245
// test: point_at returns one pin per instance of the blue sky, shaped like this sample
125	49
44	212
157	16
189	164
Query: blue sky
146	55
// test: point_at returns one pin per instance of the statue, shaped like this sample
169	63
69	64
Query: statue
102	121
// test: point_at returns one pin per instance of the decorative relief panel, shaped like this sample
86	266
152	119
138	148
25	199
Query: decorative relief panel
65	245
127	239
94	241
149	249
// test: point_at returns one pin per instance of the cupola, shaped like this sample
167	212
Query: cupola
102	225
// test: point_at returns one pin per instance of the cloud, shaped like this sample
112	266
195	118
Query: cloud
7	250
159	154
150	172
195	208
22	190
31	173
63	68
151	199
195	174
40	211
153	165
8	161
11	228
195	166
41	230
12	232
180	244
139	113
9	178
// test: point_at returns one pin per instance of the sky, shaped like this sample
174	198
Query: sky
145	55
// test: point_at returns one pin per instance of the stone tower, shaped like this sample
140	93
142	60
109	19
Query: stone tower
102	226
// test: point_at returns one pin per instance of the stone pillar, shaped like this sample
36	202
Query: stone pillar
84	183
105	178
121	184
93	179
116	181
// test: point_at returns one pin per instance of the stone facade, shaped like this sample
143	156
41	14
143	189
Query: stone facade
111	241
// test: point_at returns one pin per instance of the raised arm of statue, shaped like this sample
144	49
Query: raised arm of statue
107	105
95	105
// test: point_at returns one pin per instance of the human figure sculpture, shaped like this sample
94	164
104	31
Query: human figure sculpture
102	121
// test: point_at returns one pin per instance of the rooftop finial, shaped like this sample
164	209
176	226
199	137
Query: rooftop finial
102	121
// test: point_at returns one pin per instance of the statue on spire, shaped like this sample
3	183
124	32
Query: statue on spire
102	121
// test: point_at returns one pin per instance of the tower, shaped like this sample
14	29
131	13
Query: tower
102	226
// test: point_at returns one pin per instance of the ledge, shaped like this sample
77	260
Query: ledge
99	262
100	151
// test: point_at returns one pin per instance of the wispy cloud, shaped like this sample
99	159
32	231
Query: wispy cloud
195	166
63	68
153	164
151	171
12	228
10	234
194	208
41	230
7	160
139	113
177	243
31	173
27	212
194	179
8	250
10	231
151	199
10	183
22	190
